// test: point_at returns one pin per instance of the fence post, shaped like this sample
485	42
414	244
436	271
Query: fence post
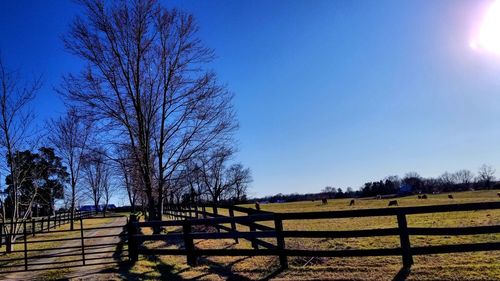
204	210
33	227
280	242
82	239
25	246
216	212
1	234
188	244
41	228
132	243
48	223
404	240
196	214
8	241
233	224
253	229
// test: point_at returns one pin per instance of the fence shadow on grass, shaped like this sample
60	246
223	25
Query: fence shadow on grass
402	274
169	272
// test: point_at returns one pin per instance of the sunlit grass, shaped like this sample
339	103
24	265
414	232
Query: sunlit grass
460	266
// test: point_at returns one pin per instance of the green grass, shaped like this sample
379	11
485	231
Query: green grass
462	266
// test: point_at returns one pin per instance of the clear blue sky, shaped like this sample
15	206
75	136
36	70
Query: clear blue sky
327	92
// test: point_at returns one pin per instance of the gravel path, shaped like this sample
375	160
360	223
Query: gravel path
96	264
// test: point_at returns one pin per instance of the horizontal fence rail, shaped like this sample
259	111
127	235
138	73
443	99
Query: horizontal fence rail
83	245
37	225
200	216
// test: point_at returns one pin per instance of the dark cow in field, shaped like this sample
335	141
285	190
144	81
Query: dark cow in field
257	206
424	196
419	197
498	193
450	196
324	201
352	202
393	203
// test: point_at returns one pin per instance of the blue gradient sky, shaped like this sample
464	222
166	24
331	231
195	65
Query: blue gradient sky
327	92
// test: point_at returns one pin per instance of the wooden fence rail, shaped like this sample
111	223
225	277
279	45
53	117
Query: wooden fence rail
256	231
30	227
81	251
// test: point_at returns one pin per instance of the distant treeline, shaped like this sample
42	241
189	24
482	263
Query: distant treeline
411	183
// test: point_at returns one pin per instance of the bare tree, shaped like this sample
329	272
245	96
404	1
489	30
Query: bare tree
463	176
240	177
486	174
447	179
108	188
15	121
146	77
410	175
70	135
218	180
413	179
97	175
129	171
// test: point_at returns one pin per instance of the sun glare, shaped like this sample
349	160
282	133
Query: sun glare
488	37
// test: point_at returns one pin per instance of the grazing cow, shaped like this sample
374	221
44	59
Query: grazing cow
424	196
324	201
419	197
450	196
352	202
498	193
393	203
257	206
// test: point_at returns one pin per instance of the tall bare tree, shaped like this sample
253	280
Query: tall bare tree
240	177
220	181
128	169
98	177
70	135
464	177
447	179
486	174
146	75
15	121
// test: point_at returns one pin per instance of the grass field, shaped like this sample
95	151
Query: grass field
464	266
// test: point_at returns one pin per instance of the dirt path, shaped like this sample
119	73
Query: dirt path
95	262
100	261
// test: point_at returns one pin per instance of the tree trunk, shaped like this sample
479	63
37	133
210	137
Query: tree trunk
72	211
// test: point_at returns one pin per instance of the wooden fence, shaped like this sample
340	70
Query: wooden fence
73	250
406	251
39	225
178	212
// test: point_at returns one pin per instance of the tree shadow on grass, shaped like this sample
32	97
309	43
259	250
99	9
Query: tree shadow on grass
166	271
